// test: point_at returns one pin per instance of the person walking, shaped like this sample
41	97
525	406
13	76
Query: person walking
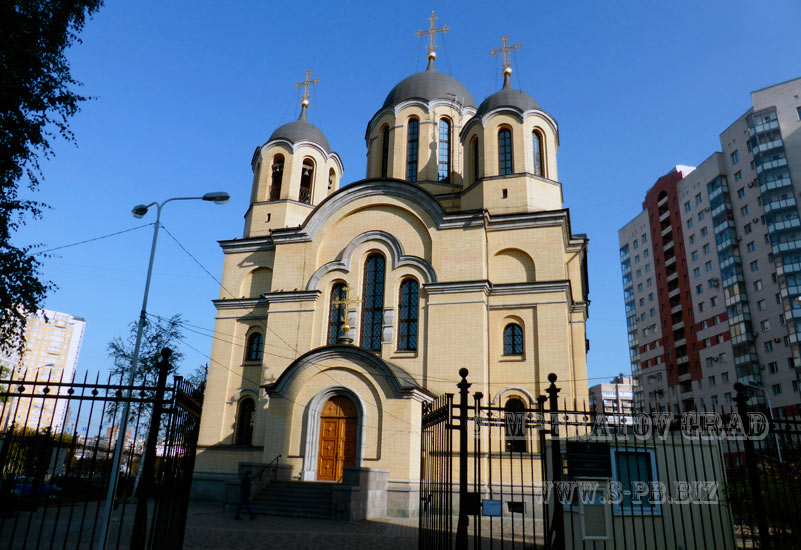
244	496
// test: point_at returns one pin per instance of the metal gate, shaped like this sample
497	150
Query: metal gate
57	440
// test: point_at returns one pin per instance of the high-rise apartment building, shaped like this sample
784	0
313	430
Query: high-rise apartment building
712	268
52	344
616	397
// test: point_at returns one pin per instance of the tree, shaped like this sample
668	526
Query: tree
158	333
37	99
199	375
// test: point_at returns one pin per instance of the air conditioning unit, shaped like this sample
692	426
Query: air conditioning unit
777	340
752	184
755	220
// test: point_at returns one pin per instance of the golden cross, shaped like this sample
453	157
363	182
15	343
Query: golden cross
306	83
346	302
431	32
505	51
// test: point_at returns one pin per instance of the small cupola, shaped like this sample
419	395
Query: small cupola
292	172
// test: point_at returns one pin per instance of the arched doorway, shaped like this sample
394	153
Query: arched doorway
338	424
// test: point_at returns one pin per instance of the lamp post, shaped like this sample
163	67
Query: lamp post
770	413
138	212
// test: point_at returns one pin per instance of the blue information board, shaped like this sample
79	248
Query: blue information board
491	508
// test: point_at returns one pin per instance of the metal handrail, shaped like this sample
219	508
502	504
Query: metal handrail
261	469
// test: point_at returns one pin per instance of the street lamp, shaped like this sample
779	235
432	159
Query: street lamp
770	413
139	211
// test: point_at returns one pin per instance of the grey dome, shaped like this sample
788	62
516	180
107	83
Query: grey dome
508	97
428	85
301	130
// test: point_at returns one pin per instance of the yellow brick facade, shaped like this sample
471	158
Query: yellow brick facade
485	253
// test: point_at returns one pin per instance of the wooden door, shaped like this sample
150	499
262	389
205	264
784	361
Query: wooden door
337	438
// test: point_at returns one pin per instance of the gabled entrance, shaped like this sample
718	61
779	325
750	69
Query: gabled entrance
338	423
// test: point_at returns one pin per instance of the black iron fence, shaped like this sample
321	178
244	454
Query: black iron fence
57	441
520	474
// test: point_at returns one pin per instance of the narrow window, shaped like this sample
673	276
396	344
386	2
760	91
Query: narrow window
306	179
515	426
336	316
385	151
373	302
244	421
407	316
537	144
475	159
255	347
444	150
411	150
513	339
505	151
278	176
332	178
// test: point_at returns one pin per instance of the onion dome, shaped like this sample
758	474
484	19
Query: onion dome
301	130
429	85
507	98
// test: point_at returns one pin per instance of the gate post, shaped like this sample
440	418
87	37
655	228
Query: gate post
557	534
147	467
461	527
753	473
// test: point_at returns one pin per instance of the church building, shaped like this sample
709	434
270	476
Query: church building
345	308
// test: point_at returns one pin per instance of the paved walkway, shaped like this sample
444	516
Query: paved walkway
208	527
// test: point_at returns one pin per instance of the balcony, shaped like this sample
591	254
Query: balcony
667	246
675	309
781	204
662	202
674	292
784	225
788	291
767	146
669	262
780	183
763	127
667	230
678	325
672	277
787	246
681	342
683	360
664	215
771	164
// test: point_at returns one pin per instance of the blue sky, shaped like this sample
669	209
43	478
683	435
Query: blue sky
185	91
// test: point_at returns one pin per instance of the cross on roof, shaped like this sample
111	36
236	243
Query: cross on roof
505	51
306	83
346	301
431	32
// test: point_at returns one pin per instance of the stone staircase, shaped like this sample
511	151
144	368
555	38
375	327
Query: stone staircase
307	499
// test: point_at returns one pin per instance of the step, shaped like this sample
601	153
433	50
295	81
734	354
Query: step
295	499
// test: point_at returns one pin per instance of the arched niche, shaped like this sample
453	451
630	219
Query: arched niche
512	265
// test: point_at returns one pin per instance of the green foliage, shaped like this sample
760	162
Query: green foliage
37	93
158	333
198	376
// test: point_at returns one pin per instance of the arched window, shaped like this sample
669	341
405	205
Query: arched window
505	151
515	425
536	139
332	178
337	312
413	134
444	163
255	349
245	417
384	151
373	302
407	316
513	339
474	145
306	179
278	176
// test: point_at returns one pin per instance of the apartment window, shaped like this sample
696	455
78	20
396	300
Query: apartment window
699	288
795	385
713	301
644	238
741	192
744	210
751	246
704	231
687	206
647	268
768	346
773	278
773	367
692	238
776	389
738	175
639	287
694	255
761	305
754	265
778	298
701	215
706	248
639	273
758	284
747	228
649	282
701	306
711	380
698	198
646	253
636	244
637	259
798	112
653	312
735	157
708	266
724	377
727	397
689	223
650	296
709	362
697	272
765	325
782	320
642	300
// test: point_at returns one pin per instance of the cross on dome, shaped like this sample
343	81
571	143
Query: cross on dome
432	32
507	67
306	83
